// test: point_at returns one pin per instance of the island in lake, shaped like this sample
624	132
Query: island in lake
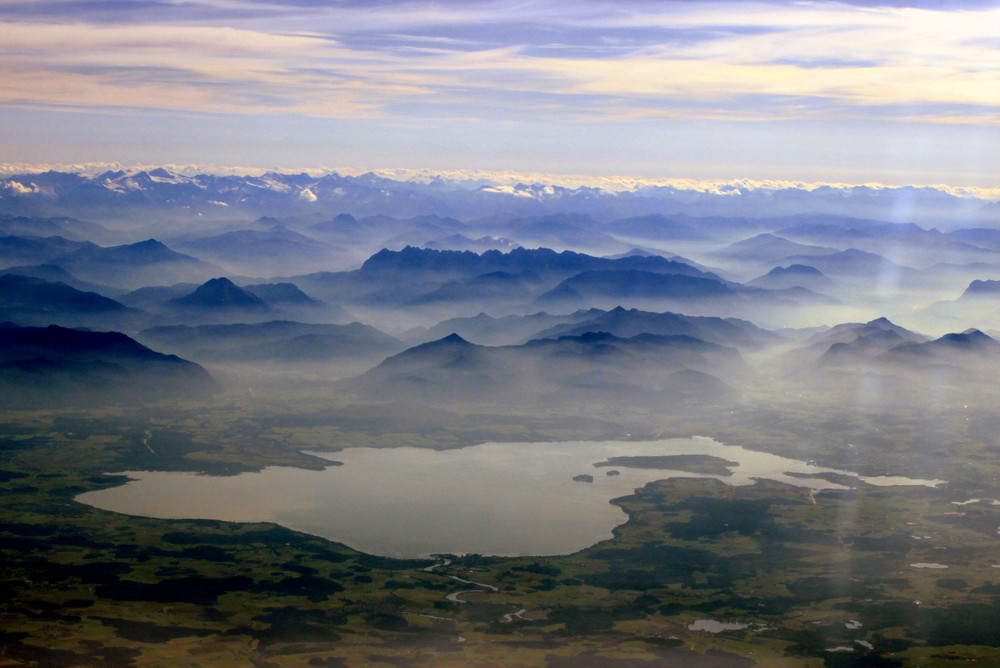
704	464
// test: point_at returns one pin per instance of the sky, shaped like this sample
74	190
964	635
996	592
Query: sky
895	92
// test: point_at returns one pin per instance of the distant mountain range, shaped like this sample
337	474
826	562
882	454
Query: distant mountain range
542	261
972	344
978	304
56	274
627	323
274	341
263	250
445	284
143	263
32	300
124	266
480	292
117	194
36	301
601	286
29	249
989	289
220	294
220	300
419	276
854	265
621	322
881	362
68	228
642	370
794	275
849	331
768	248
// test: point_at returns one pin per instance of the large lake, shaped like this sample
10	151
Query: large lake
504	499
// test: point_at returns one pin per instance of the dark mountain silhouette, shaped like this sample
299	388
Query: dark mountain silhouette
394	278
767	248
863	347
56	274
988	289
626	323
848	332
577	369
220	294
243	244
631	283
497	285
960	366
983	237
55	366
853	264
541	261
15	250
971	343
417	230
134	265
342	223
155	296
906	243
274	340
979	303
881	363
845	345
488	330
68	228
35	301
221	300
25	291
650	252
275	294
791	276
413	261
258	250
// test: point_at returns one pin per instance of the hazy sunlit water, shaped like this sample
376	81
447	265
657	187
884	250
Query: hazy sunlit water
495	498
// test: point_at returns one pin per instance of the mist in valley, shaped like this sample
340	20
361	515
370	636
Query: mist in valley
472	393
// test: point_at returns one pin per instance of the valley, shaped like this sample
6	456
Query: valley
447	424
803	576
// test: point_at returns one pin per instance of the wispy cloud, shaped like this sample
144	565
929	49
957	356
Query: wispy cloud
523	59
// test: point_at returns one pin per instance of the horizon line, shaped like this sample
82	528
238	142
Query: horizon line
497	178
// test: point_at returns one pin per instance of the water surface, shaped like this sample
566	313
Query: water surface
504	499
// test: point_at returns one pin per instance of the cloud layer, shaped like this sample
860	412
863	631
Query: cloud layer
508	60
